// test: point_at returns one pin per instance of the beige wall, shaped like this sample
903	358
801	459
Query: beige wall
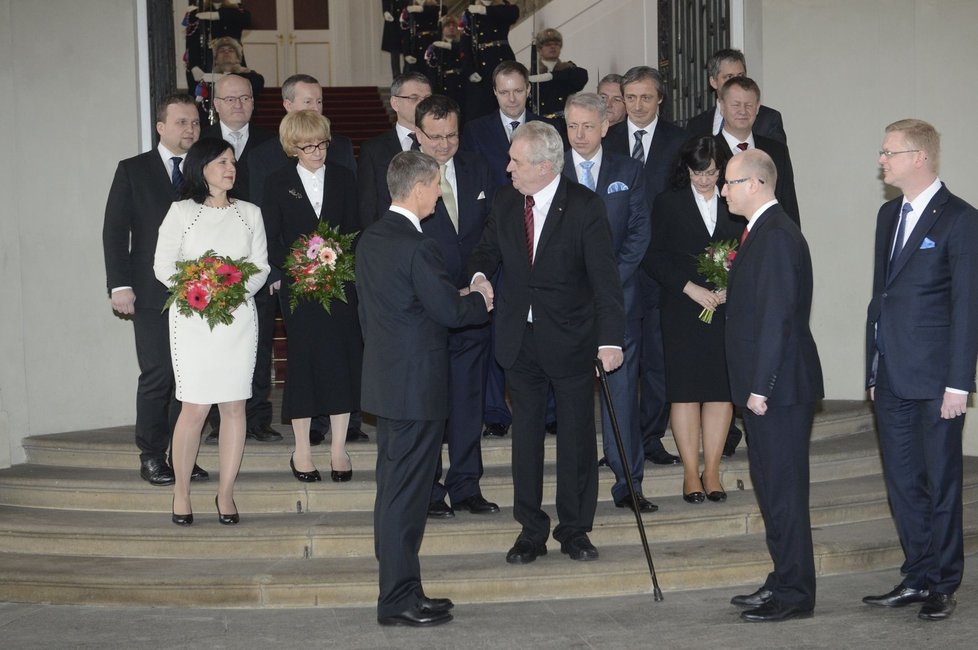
68	110
839	71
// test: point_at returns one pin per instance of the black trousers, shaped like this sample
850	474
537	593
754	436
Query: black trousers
654	409
407	451
156	407
577	456
778	453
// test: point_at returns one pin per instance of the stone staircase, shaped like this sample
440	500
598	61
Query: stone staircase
78	526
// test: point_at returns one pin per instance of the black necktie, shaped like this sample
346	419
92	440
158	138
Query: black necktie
512	128
414	142
638	151
901	233
177	176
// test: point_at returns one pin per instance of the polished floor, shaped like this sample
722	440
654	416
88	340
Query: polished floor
692	619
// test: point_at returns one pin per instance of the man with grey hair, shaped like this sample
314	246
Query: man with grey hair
563	308
407	305
609	89
655	143
620	183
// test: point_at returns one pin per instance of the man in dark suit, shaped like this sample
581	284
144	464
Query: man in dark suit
235	104
457	224
921	348
142	191
489	137
407	305
775	378
738	102
655	143
723	66
620	182
376	153
563	308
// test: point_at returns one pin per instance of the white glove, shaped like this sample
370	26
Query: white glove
208	15
415	9
475	77
445	45
540	78
388	17
410	59
477	9
197	73
192	8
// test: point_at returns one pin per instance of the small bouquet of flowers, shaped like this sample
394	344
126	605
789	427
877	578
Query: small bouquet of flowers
714	265
211	286
319	264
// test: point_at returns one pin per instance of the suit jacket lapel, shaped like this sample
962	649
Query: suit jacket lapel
158	176
926	221
751	238
553	216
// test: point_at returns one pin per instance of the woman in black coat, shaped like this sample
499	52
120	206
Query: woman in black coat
685	220
325	350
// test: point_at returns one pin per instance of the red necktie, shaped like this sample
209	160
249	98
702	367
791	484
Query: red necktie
528	226
742	146
743	236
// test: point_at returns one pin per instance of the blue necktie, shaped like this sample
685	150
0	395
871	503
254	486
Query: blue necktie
586	178
638	151
901	232
177	176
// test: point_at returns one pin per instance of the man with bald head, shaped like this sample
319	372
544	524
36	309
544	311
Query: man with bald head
775	378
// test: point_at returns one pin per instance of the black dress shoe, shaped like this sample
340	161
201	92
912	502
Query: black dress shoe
227	520
416	617
494	430
316	437
774	610
356	435
263	433
662	457
603	462
524	551
644	505
477	505
734	436
551	428
198	473
900	596
755	599
440	510
435	604
938	607
341	475
156	471
579	548
305	477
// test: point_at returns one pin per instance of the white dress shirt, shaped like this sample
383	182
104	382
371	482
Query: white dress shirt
732	142
646	139
314	183
242	141
413	218
595	168
507	123
404	137
708	209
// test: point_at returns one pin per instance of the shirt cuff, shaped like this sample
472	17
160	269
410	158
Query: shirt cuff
955	391
764	397
609	347
119	289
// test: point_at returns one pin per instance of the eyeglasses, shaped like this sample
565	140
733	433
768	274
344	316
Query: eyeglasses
707	173
241	99
442	139
311	148
890	154
413	98
738	181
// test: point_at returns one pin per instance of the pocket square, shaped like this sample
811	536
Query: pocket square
617	186
927	243
481	196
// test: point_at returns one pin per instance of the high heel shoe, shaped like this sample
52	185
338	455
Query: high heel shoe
181	520
717	495
305	477
227	520
341	476
693	497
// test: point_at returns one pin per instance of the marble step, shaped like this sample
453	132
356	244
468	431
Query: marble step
95	488
114	447
350	534
466	578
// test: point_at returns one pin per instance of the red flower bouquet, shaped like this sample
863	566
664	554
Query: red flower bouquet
319	264
211	286
714	265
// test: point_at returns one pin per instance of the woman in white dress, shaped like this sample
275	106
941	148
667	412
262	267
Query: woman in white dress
211	366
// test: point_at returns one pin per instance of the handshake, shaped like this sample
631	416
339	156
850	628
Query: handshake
483	286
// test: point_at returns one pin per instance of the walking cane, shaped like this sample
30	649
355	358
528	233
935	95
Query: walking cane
603	377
